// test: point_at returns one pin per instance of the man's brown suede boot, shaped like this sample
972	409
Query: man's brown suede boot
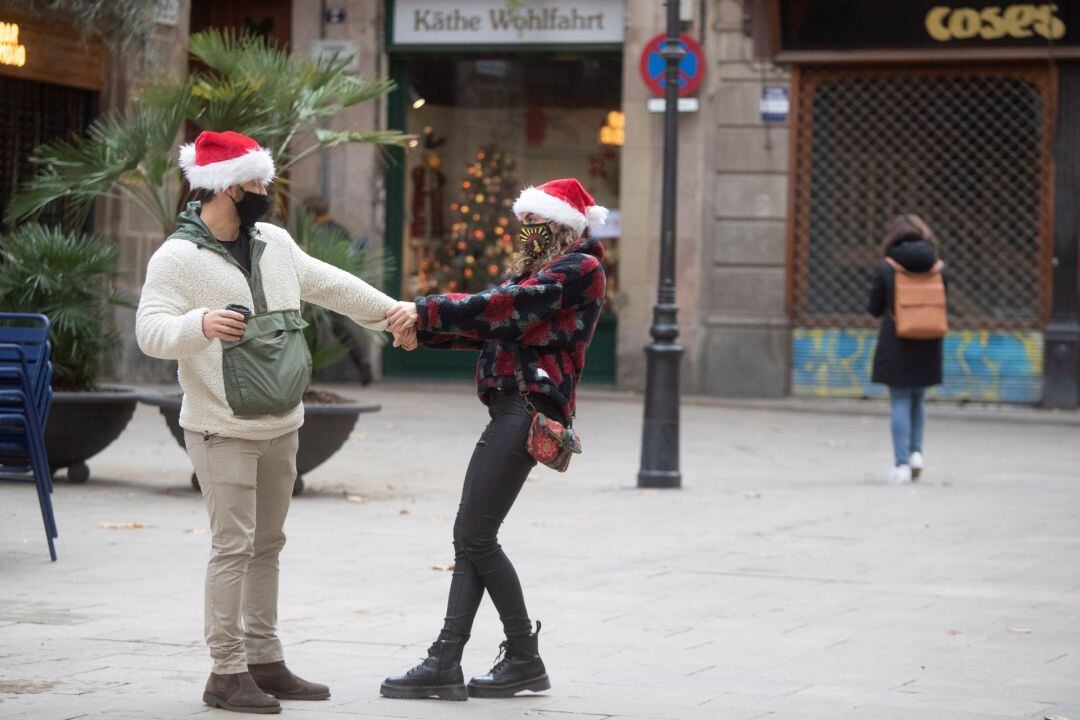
239	693
280	682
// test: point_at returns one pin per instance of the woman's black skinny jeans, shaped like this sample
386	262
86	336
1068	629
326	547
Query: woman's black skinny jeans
499	467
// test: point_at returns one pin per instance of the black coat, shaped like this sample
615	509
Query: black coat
899	362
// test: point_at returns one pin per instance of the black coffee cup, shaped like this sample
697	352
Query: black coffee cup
243	310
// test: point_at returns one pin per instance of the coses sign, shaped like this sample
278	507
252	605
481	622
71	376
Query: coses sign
995	22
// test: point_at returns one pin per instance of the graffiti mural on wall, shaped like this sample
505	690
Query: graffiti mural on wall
980	365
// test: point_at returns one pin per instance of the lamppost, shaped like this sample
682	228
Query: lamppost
660	436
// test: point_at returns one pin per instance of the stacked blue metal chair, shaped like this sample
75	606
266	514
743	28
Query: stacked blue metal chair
25	400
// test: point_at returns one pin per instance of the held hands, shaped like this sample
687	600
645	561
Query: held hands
406	339
223	325
402	317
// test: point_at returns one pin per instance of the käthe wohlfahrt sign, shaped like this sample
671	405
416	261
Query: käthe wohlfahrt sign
418	23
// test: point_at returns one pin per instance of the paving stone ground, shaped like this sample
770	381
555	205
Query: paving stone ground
785	580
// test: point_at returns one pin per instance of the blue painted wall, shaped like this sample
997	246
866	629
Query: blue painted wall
980	365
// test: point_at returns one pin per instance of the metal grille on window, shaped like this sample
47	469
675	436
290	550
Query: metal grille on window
33	113
966	149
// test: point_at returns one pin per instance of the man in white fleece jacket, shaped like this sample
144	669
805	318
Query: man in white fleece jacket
243	375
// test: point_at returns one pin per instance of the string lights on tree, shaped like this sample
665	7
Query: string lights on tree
481	242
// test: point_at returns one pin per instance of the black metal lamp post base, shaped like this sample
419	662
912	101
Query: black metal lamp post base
659	479
660	436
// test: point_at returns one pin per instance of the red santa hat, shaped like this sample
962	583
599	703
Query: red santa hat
563	201
216	161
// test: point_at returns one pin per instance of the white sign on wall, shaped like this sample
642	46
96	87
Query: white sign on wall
167	12
327	49
497	22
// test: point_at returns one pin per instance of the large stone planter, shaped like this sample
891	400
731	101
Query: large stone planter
326	428
82	424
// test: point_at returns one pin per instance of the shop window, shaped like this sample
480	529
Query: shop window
34	113
486	127
965	148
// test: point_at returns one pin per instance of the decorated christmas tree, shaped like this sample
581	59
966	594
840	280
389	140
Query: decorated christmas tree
481	244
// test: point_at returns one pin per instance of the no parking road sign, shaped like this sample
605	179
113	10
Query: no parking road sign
691	67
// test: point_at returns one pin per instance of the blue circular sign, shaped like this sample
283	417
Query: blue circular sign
691	67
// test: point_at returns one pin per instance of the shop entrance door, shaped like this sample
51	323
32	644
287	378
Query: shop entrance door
968	149
486	127
34	113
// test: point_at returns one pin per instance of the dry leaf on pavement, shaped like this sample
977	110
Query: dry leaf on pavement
123	525
751	494
403	511
354	498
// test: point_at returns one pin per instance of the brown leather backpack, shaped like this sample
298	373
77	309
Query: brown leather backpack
919	305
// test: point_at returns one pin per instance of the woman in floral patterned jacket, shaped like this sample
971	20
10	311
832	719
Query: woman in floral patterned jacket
534	328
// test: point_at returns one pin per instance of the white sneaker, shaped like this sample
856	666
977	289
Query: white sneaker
916	463
900	475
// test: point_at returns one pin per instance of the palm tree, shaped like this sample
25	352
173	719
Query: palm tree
325	340
70	277
249	85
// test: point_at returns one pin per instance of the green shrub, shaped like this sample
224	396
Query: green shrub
70	278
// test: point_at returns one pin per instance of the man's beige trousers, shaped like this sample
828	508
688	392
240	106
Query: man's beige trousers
247	485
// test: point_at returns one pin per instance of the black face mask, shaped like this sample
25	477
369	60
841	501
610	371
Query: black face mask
251	207
534	239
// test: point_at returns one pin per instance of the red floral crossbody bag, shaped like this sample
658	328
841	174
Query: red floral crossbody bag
550	442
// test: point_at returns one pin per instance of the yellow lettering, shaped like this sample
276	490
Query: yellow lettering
11	52
993	24
1048	25
935	23
12	55
964	23
1019	19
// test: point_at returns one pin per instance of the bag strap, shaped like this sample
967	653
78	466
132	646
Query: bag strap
519	374
523	388
939	265
896	266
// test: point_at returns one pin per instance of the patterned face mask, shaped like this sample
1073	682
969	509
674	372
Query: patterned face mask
534	239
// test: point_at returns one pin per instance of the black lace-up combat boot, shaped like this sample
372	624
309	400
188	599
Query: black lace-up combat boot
518	667
438	676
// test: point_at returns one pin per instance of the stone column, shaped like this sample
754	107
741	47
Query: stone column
125	222
639	246
746	346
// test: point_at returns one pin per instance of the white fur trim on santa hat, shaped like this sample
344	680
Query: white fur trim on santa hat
536	201
597	215
253	165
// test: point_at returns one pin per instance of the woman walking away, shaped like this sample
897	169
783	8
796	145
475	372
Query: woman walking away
908	291
532	333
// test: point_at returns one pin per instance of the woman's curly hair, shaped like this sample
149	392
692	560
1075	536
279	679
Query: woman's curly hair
561	240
